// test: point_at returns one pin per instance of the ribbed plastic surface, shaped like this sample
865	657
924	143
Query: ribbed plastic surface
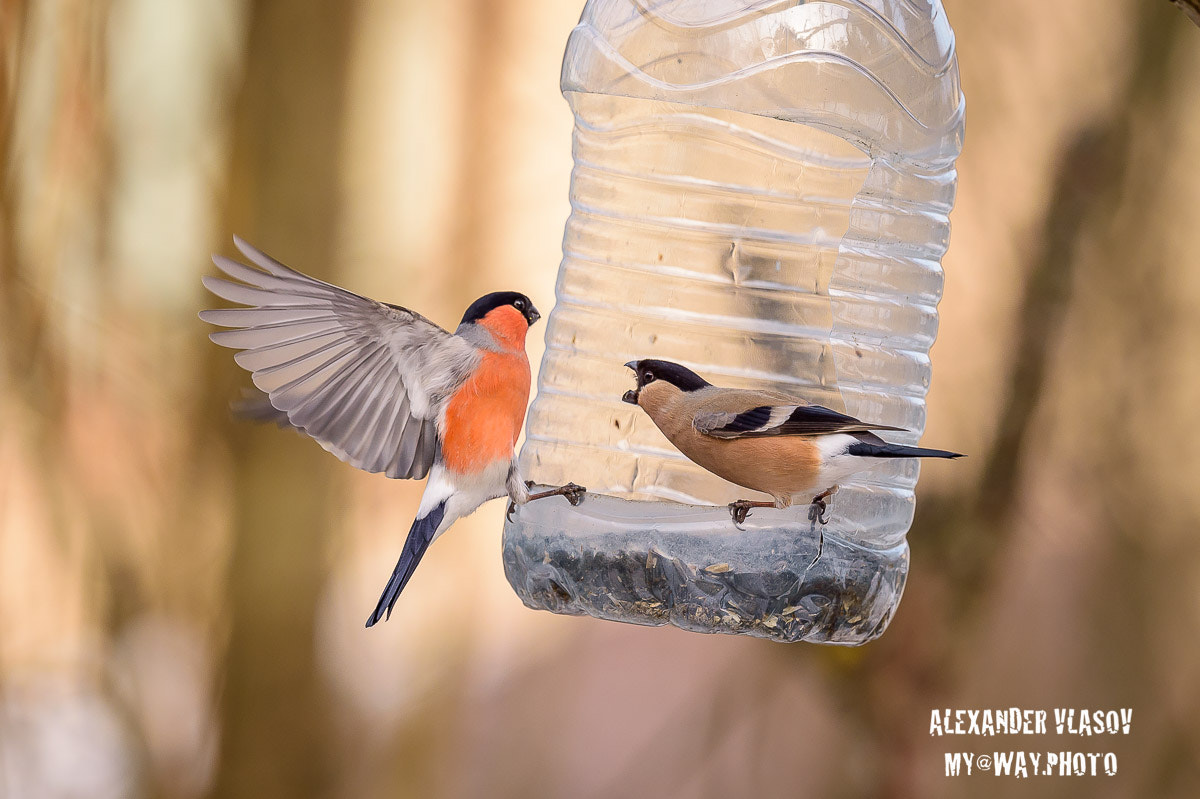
761	193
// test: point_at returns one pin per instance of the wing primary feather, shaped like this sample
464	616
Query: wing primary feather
261	317
410	446
263	298
283	395
423	457
285	351
266	280
367	452
782	420
433	445
338	422
357	437
390	435
407	434
747	421
343	426
280	269
334	409
380	431
309	410
272	368
821	419
264	339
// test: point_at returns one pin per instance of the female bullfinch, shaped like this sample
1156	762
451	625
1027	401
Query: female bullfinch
762	440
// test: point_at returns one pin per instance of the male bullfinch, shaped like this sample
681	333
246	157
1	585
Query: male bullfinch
387	390
762	440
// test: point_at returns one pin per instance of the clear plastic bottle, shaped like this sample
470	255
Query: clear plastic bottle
760	192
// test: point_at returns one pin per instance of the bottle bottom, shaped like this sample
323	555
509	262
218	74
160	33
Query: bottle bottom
657	563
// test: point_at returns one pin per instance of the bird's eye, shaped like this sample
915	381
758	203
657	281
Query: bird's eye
519	305
647	378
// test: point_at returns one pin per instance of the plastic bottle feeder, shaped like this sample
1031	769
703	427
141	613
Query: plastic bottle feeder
760	193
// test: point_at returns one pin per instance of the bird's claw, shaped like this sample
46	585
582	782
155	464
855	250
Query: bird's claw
816	511
512	506
573	493
739	511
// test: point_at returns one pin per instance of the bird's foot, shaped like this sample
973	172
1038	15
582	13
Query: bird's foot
816	515
512	502
573	493
741	509
816	511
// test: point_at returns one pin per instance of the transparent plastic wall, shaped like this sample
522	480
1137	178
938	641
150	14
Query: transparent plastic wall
761	193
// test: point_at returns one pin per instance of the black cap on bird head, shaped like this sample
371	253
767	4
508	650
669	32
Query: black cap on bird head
648	370
490	302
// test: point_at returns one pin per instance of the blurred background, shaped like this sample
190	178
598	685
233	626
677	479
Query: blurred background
182	597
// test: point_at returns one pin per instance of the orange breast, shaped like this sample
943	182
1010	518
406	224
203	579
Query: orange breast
484	418
508	326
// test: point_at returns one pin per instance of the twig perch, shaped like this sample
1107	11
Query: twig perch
1189	7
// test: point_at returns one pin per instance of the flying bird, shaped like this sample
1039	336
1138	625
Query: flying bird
386	390
763	440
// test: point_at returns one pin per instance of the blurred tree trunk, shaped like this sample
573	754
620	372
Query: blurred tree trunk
283	191
23	317
12	18
475	188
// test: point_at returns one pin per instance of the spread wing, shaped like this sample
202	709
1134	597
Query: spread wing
365	379
781	420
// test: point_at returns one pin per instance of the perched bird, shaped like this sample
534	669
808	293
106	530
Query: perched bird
762	440
387	390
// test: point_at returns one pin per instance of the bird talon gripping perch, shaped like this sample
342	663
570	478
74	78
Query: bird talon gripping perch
817	508
573	493
741	509
387	390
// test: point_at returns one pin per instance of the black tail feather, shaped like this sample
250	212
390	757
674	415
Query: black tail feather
420	536
865	450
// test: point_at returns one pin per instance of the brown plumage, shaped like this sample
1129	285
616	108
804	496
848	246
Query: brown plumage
780	466
762	440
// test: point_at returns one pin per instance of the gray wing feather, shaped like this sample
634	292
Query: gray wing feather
368	381
706	423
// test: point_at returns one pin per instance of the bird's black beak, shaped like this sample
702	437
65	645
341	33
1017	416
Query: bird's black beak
533	315
631	396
